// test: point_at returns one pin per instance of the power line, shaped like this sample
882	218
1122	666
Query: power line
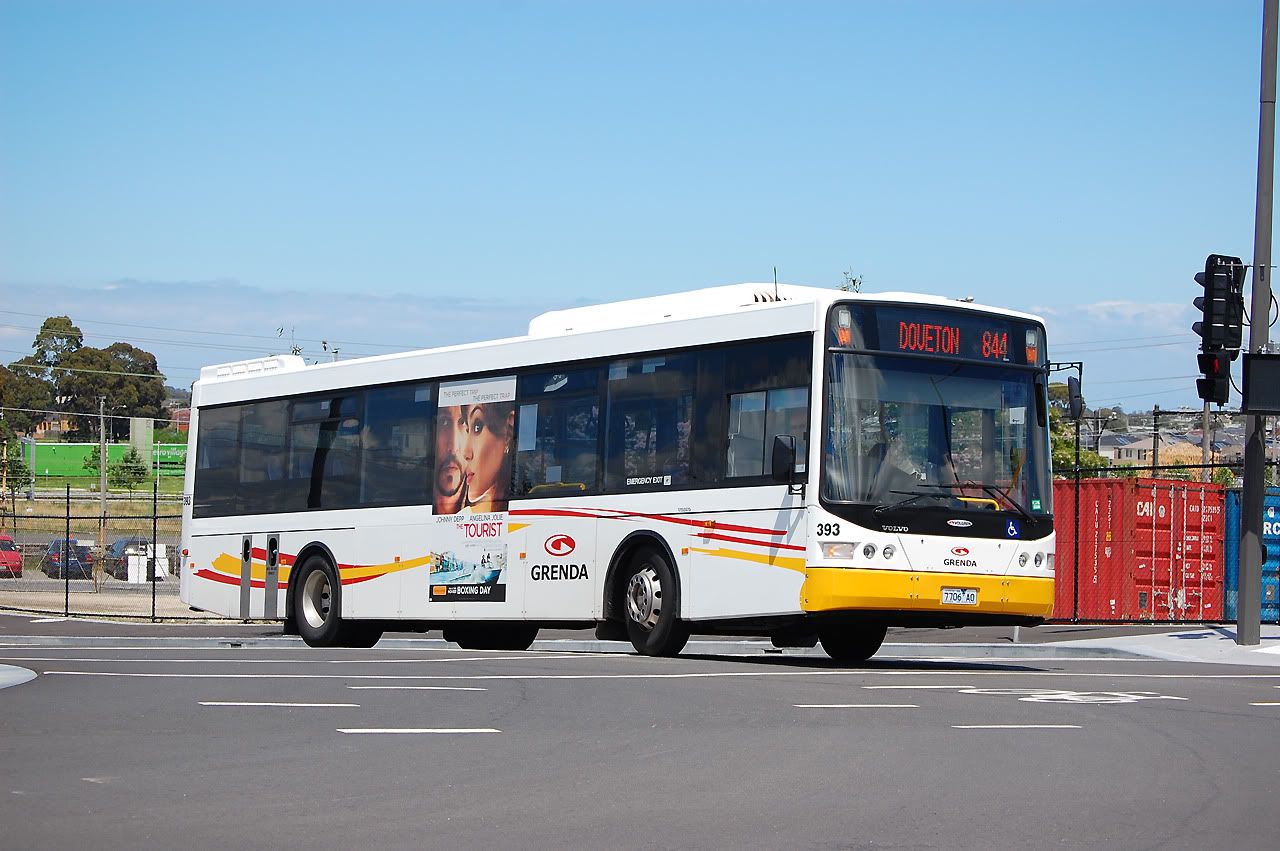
1097	342
1136	380
38	367
399	346
82	414
226	347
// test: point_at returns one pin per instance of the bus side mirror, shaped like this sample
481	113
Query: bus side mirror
784	459
1075	401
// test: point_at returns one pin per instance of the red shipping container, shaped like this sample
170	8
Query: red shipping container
1150	550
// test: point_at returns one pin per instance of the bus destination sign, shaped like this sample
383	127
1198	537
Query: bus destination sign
945	333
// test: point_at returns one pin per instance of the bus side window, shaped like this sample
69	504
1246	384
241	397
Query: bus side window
755	419
558	434
217	462
650	420
397	444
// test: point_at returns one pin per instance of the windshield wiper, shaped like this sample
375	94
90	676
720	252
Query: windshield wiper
912	496
990	490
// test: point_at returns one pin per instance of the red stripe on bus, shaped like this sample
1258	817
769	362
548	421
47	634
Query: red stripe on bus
555	512
773	545
627	515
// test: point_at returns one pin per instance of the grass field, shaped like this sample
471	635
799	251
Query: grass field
44	484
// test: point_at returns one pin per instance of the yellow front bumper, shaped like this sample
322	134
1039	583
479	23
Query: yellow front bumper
832	589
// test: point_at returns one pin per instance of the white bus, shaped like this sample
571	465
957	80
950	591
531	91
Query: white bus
800	463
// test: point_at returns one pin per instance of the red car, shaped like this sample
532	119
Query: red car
10	558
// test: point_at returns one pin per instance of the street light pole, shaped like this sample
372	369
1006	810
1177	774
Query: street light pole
1249	607
102	471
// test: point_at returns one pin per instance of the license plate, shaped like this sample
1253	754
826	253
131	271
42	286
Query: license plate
960	596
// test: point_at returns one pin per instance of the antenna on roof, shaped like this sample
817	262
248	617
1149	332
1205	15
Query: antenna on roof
775	284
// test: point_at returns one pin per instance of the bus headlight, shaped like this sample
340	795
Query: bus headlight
1022	560
869	551
1048	562
1039	559
889	550
838	549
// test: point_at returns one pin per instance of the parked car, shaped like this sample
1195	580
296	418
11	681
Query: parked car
79	560
10	558
116	559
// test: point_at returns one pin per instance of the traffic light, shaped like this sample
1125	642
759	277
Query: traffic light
1216	368
1222	305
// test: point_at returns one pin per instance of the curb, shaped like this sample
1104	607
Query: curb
693	648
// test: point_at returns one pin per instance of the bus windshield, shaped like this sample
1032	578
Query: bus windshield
931	432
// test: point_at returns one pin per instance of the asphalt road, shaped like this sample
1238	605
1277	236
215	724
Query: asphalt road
291	747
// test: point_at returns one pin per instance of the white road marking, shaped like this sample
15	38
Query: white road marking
285	661
268	703
1015	726
417	730
855	705
47	620
680	676
418	688
915	687
1265	704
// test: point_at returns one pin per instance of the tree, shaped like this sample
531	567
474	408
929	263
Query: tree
120	373
1062	440
1223	476
21	389
57	339
90	463
17	474
130	472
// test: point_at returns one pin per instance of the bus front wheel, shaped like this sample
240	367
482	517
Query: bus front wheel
651	606
852	643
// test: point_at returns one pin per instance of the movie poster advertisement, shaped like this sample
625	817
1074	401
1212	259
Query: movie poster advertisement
475	448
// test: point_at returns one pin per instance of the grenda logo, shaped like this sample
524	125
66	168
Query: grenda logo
559	545
959	551
959	524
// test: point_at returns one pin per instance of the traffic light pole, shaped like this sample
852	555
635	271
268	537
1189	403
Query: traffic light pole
1249	607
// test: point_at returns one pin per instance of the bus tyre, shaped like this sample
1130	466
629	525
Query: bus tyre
852	643
357	634
651	605
318	603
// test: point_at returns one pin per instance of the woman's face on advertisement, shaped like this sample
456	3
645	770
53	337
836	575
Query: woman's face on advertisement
484	449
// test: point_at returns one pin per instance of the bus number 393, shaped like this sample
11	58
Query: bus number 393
828	529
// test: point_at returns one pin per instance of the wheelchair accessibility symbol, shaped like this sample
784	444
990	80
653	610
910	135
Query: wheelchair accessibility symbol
1013	530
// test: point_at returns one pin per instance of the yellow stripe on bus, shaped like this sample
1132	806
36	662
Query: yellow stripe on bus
230	565
789	562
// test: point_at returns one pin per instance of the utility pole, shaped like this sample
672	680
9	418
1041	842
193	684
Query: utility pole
102	470
1155	438
1204	444
1249	608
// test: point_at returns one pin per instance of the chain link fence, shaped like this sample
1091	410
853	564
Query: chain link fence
81	554
1134	546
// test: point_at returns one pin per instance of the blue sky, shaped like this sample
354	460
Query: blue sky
395	174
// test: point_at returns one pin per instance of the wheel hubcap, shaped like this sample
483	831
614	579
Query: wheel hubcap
644	598
316	596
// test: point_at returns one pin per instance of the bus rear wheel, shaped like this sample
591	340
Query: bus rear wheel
651	606
852	643
318	604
